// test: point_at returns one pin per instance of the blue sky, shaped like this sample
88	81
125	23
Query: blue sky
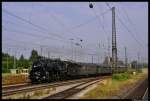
61	21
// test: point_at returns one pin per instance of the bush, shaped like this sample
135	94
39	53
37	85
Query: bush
5	70
121	76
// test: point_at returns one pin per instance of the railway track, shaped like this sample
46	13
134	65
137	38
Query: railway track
138	92
8	87
71	91
145	96
29	87
22	85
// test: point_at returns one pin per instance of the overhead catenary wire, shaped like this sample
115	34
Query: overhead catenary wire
130	32
18	46
60	22
33	34
126	27
82	24
126	13
88	21
22	47
104	23
35	25
17	24
128	19
59	37
23	19
107	32
25	33
68	30
98	18
107	4
25	49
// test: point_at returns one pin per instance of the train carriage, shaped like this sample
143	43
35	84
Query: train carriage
48	70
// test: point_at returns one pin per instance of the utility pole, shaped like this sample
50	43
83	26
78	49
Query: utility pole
108	51
74	53
72	48
126	59
99	53
15	61
41	50
114	47
7	59
105	53
48	54
92	59
138	55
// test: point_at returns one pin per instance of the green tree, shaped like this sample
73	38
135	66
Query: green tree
21	61
34	55
21	58
7	59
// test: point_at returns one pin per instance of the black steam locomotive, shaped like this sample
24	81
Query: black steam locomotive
48	70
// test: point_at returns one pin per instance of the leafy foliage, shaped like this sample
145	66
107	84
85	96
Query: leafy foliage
34	55
8	61
121	76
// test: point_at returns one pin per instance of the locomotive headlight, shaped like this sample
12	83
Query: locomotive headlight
34	66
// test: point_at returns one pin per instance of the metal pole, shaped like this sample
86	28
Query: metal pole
138	54
114	48
92	59
48	54
104	52
41	50
15	60
99	53
72	48
7	60
108	52
126	59
74	53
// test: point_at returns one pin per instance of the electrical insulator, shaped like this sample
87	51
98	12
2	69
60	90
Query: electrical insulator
90	5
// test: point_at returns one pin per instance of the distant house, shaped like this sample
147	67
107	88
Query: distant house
134	64
19	71
25	71
13	71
